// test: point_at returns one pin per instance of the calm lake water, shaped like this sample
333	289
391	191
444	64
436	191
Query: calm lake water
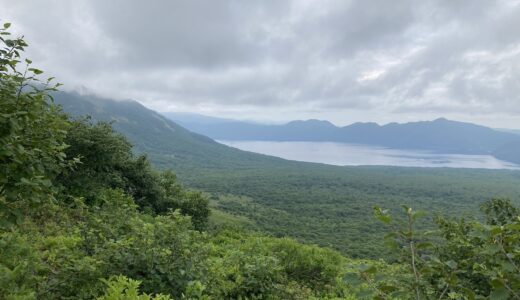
356	155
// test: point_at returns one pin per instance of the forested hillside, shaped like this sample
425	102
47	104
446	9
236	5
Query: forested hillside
166	143
315	203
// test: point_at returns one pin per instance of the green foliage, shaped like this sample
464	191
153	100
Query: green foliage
463	260
32	131
280	268
16	280
162	251
106	161
44	265
103	155
316	268
499	211
191	203
122	288
328	205
81	243
94	211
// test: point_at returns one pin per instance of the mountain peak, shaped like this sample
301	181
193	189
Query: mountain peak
363	124
441	120
312	122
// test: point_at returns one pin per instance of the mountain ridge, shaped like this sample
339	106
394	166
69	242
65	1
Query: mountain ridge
192	141
439	135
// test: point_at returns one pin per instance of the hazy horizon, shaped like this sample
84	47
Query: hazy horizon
337	124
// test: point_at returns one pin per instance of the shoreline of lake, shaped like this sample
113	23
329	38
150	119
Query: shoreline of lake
344	154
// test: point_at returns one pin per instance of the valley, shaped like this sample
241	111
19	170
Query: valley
312	202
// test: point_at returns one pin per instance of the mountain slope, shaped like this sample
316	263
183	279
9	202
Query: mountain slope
315	203
514	131
509	152
440	135
166	143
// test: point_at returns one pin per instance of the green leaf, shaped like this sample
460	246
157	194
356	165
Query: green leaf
353	279
400	295
387	288
451	264
468	293
7	25
382	215
418	215
497	283
35	71
365	294
369	269
500	293
496	230
424	245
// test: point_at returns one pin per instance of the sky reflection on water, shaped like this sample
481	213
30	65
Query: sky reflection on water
356	155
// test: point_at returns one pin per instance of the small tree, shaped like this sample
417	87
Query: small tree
464	260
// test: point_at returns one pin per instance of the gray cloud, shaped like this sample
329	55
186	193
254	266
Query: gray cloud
340	60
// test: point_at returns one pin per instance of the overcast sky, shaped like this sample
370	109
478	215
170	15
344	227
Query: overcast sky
273	60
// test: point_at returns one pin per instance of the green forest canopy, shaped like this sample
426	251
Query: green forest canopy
314	203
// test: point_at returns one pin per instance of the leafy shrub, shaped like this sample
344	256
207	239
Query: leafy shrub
32	132
105	161
122	288
463	260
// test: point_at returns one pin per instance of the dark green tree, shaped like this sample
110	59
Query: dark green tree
191	203
105	160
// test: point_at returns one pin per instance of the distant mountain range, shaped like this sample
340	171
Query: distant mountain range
185	141
440	135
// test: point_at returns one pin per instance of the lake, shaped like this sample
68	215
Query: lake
357	155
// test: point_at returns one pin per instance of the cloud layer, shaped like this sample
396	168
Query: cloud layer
344	61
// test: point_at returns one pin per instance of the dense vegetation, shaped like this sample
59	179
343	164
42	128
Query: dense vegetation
463	259
105	161
78	207
329	206
83	217
315	203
